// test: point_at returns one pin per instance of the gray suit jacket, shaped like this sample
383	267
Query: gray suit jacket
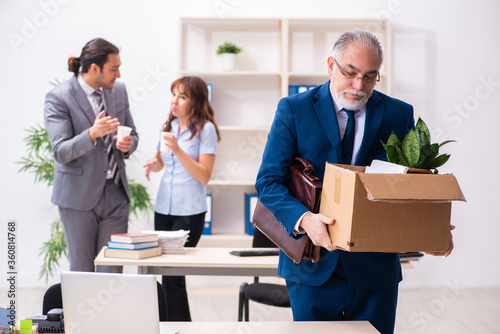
80	175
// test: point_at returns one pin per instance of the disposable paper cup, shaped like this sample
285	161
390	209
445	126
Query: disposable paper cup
123	131
163	144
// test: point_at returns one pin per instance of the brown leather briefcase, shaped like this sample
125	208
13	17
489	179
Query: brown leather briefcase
307	188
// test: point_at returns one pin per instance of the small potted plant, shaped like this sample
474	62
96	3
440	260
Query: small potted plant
415	150
227	52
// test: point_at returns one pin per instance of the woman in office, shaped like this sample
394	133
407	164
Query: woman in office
186	150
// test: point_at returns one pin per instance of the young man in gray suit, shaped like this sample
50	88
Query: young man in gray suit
90	183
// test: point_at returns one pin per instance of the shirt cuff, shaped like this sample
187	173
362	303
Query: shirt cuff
297	230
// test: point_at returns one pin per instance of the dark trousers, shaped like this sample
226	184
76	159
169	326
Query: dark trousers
175	286
337	299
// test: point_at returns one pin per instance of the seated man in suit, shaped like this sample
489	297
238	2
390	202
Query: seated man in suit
341	121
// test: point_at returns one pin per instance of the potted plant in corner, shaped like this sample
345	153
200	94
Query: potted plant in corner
415	150
227	52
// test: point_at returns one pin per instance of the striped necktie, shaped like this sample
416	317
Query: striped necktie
112	172
348	140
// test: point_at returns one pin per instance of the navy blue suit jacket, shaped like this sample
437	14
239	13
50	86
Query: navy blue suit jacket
305	125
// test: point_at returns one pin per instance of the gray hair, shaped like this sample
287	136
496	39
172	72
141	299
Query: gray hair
359	37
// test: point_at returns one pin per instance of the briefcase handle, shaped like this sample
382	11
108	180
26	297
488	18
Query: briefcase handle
308	169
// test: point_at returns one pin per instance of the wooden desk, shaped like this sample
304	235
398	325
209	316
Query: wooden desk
203	261
317	327
199	261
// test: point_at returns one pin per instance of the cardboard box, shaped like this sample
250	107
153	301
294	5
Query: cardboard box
388	212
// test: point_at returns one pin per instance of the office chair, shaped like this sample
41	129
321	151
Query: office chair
53	299
264	293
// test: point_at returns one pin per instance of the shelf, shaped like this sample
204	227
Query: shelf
243	128
209	25
259	39
235	182
231	73
309	74
227	240
277	53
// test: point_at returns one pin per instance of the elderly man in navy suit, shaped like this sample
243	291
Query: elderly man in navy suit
341	121
90	183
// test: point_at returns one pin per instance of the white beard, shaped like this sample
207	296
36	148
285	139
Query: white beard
349	104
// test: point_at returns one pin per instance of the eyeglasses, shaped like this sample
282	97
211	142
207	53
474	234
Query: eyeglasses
367	79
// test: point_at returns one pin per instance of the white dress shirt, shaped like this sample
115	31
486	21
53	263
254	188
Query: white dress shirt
91	97
359	117
359	128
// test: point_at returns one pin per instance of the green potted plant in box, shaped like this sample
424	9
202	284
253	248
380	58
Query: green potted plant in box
415	150
227	51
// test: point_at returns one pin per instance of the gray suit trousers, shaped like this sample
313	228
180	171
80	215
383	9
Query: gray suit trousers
88	231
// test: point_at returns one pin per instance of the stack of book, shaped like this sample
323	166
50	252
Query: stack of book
171	242
133	246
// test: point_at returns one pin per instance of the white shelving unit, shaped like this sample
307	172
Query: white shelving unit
276	53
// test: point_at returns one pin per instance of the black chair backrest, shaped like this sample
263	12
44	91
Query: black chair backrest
52	298
260	240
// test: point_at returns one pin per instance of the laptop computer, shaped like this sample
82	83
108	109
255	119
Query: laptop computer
109	303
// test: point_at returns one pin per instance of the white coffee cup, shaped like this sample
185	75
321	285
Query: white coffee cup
163	143
123	131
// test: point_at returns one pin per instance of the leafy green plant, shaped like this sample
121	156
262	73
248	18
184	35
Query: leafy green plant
40	162
228	47
53	250
140	202
40	159
416	150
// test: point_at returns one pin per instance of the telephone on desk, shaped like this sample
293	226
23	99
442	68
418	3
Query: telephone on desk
53	322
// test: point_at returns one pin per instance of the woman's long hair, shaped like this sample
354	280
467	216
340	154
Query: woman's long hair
200	109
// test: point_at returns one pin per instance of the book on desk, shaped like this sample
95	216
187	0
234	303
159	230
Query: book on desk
133	246
131	238
126	245
132	253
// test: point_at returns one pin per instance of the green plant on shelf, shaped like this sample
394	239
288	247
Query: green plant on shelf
40	162
228	47
416	149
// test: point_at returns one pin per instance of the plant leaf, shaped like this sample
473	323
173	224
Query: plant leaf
392	154
53	250
422	132
439	161
393	140
139	199
446	142
401	158
427	154
391	148
411	148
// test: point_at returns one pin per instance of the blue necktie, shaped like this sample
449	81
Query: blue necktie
348	140
112	172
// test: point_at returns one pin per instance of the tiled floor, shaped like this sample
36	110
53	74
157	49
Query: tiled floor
436	310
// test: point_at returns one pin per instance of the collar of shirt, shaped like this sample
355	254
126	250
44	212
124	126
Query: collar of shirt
175	128
88	92
85	86
360	116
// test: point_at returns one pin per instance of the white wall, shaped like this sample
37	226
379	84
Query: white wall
445	57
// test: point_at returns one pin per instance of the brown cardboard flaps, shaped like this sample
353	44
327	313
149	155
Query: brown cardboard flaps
388	212
411	188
